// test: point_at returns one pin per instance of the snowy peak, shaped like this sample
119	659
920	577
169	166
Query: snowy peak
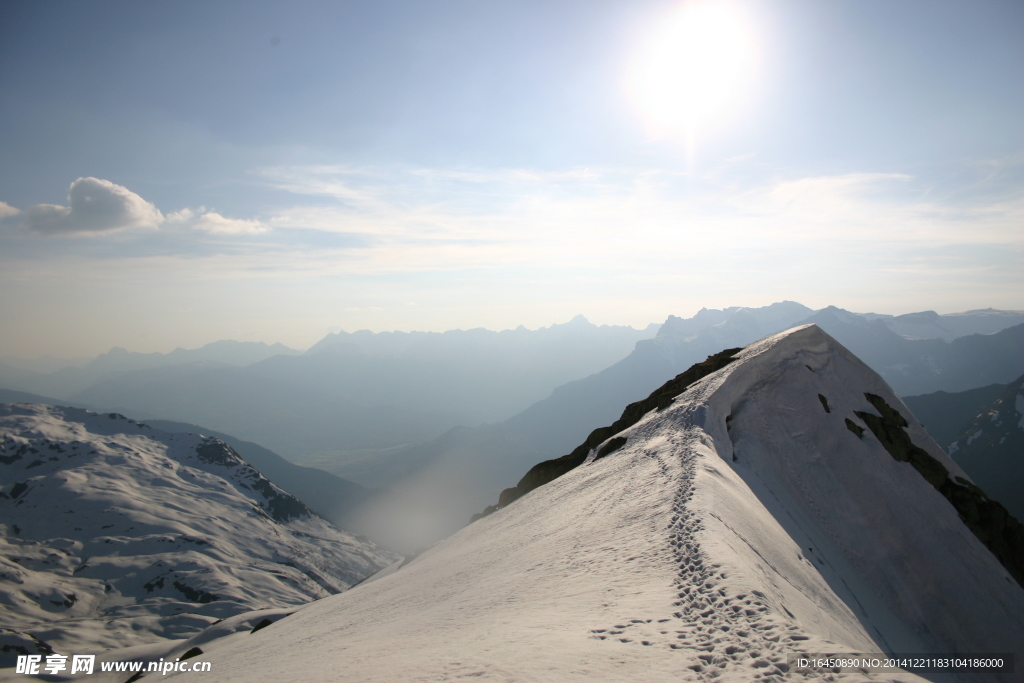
730	526
836	459
210	453
848	472
127	534
987	519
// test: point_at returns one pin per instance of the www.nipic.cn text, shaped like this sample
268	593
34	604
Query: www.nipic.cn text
86	664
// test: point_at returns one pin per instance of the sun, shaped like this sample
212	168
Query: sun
692	68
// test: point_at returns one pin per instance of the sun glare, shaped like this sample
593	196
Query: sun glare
692	68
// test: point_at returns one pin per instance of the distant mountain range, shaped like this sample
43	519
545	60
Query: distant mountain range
437	484
351	395
931	325
440	422
77	376
918	366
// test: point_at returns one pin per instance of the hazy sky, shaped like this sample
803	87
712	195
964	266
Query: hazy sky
173	173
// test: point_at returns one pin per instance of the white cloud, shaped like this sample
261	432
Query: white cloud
504	247
99	206
95	206
182	216
6	210
622	219
213	222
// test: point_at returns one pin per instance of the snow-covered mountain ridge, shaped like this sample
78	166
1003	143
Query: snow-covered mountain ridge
990	521
598	443
117	534
741	523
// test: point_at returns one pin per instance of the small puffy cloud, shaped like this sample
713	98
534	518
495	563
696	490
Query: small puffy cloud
213	222
94	206
6	210
182	216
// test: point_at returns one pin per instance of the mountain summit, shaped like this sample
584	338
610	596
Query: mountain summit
787	502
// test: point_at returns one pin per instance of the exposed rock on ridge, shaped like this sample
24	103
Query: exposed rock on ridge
659	399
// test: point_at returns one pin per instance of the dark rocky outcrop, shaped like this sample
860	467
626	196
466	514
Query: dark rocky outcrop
216	452
14	643
281	506
610	447
889	429
263	624
18	489
990	522
195	594
661	398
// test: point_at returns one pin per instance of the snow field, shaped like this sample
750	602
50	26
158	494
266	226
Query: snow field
117	534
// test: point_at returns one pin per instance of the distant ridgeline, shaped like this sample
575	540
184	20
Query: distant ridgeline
661	398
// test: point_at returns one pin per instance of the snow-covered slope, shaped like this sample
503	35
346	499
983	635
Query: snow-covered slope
116	534
743	522
991	447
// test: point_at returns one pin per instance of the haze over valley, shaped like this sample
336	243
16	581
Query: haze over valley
598	340
422	430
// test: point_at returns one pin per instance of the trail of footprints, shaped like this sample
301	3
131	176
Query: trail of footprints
728	631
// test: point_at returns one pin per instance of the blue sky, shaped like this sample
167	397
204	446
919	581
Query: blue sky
177	173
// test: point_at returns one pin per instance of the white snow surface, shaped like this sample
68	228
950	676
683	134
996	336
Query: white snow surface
669	560
116	534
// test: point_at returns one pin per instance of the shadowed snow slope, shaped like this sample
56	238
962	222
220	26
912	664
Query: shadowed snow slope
117	534
741	523
990	446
